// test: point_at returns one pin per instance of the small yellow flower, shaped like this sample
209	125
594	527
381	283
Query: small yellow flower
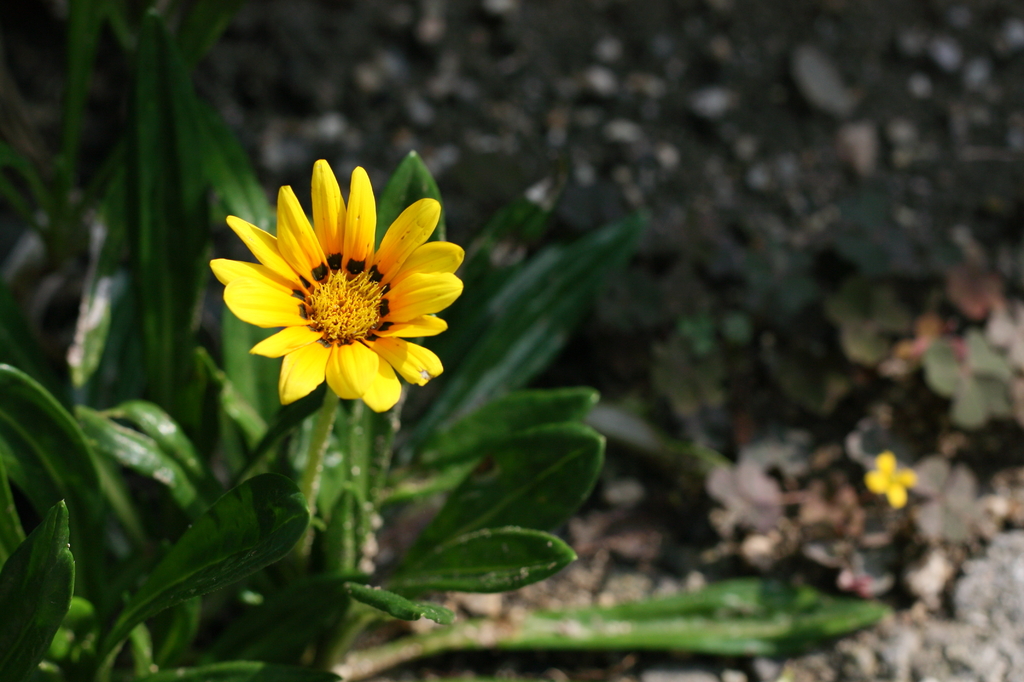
888	480
343	307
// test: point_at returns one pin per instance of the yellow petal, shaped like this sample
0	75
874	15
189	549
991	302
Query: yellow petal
421	294
285	341
360	223
351	370
227	271
416	364
877	482
302	371
424	325
886	462
263	305
897	496
409	231
263	245
295	238
385	390
432	257
328	212
906	478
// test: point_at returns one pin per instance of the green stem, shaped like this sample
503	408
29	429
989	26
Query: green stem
310	485
340	640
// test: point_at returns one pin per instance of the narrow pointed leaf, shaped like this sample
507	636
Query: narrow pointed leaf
249	527
410	182
242	671
539	478
486	560
36	584
398	606
11	533
503	417
203	25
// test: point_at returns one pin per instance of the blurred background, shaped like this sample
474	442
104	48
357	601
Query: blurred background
832	267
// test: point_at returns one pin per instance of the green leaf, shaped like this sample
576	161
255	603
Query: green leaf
410	182
504	417
941	367
745	617
17	346
48	459
234	405
141	454
527	322
174	630
85	19
229	171
486	560
142	650
167	211
287	420
159	426
398	606
242	671
203	27
74	645
538	479
249	527
11	533
283	626
35	592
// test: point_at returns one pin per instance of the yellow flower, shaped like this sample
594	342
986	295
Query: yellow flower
343	307
888	480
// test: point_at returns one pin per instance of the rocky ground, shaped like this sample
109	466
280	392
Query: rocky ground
777	148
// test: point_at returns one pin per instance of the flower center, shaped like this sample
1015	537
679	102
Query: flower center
344	308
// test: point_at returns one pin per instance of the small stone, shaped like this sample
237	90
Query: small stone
608	49
901	132
420	111
500	7
712	102
959	16
623	131
820	83
946	53
759	550
734	676
912	42
623	492
759	177
1012	34
667	155
857	145
745	147
646	84
927	578
720	6
766	669
601	81
329	127
920	85
673	674
482	605
977	73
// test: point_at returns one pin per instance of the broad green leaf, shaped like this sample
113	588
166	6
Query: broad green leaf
941	367
48	459
249	527
527	322
35	591
410	182
283	626
398	606
504	417
173	631
203	25
143	455
242	671
159	426
486	560
11	533
167	219
17	346
74	644
538	479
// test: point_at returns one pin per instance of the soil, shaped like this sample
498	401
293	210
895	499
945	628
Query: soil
856	136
